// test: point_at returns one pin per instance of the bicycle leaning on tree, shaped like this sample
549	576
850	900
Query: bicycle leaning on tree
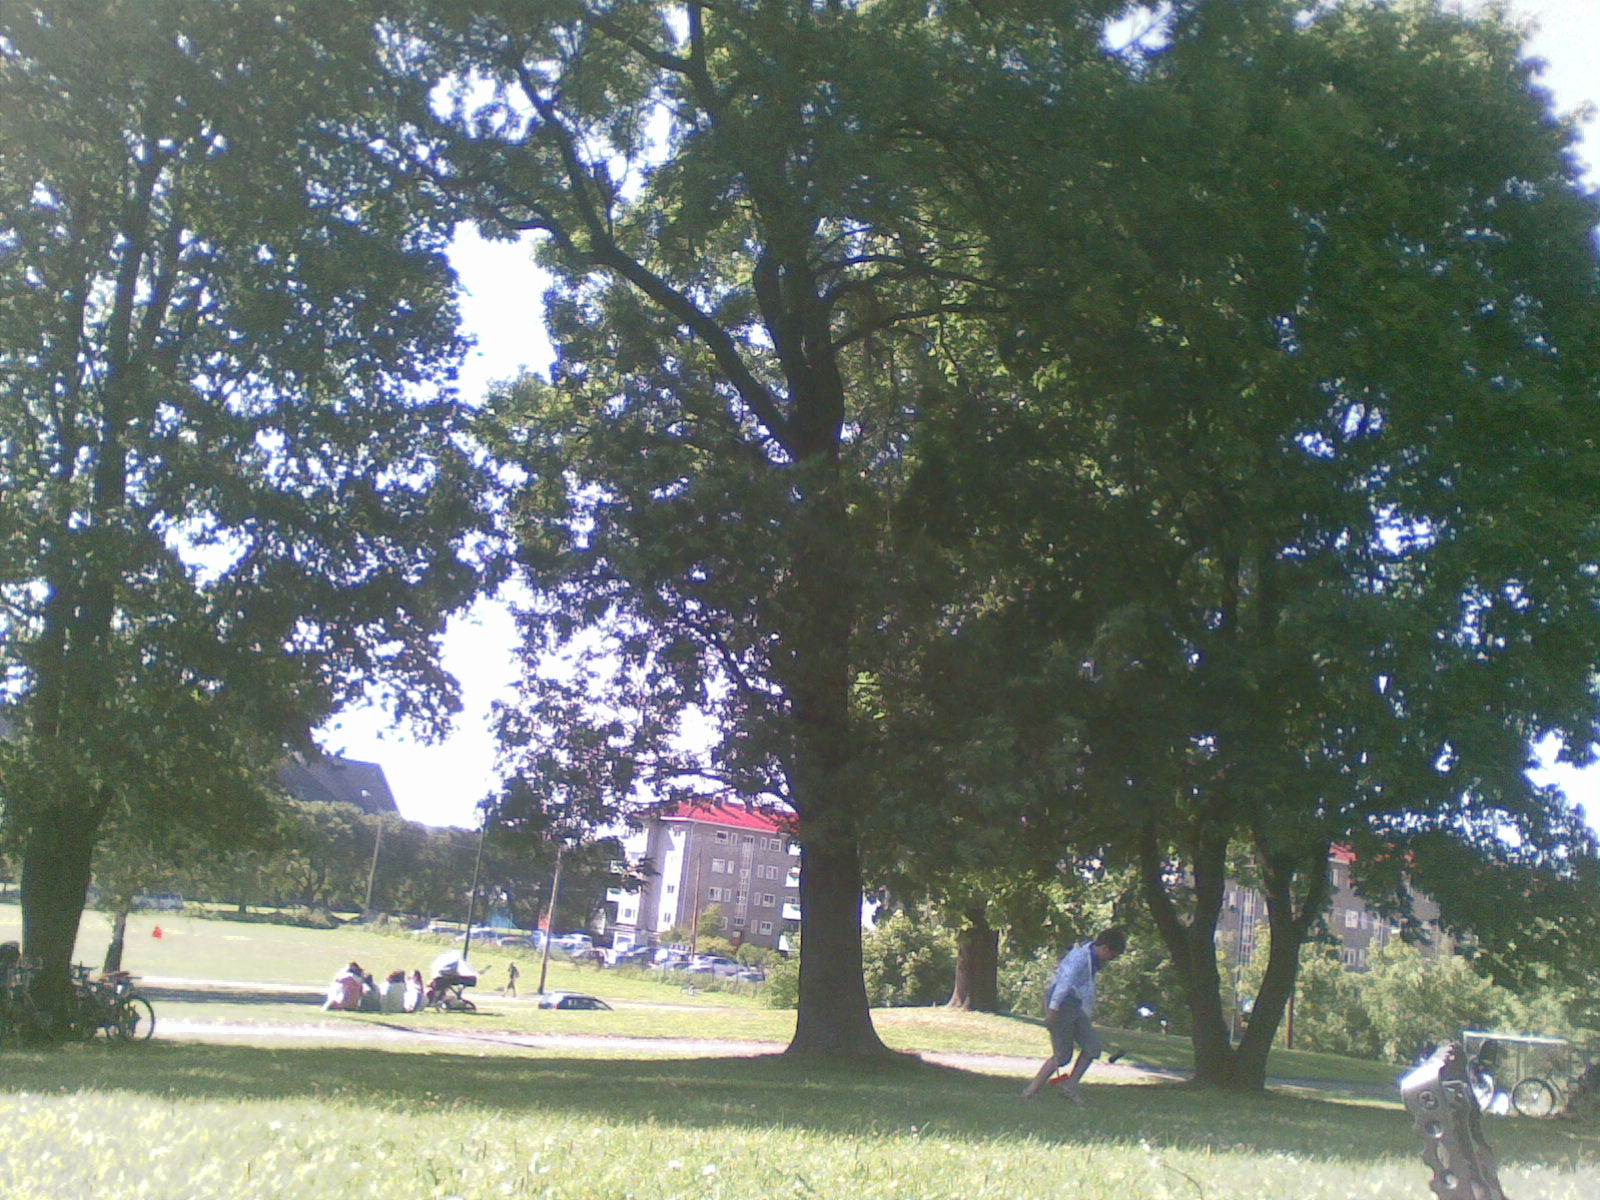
108	1003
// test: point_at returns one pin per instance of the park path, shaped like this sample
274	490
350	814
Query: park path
361	1029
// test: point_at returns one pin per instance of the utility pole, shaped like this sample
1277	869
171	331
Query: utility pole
372	871
477	870
550	919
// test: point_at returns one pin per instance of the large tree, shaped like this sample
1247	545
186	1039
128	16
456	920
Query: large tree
1301	518
232	492
744	209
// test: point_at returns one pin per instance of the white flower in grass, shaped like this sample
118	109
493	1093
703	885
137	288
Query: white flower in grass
674	1165
709	1169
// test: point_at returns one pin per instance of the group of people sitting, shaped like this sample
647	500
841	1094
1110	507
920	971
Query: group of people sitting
354	990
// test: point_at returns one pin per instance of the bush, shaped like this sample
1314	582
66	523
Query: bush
782	989
302	918
908	962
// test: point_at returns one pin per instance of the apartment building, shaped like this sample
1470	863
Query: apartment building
1359	930
729	857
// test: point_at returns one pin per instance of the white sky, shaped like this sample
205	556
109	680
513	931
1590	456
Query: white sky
501	305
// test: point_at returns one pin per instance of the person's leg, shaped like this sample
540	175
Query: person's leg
1042	1078
1060	1050
1088	1050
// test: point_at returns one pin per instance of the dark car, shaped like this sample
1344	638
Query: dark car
574	1000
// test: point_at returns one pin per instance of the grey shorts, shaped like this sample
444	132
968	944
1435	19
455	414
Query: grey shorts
1069	1028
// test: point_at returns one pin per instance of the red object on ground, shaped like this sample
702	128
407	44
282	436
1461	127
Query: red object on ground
156	932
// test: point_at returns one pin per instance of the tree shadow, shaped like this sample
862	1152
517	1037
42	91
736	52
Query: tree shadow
900	1096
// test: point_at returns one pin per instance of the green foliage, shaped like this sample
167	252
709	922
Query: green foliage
908	960
712	925
782	989
1330	1013
1408	998
236	492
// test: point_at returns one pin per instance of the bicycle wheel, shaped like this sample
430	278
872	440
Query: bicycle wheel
136	1020
1533	1097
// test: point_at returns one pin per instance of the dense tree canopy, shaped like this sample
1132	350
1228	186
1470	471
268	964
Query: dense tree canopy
1297	538
747	212
232	494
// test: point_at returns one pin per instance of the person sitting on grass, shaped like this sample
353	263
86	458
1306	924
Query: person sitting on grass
344	993
1069	1012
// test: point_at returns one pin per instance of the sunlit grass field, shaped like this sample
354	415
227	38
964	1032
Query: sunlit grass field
206	949
186	1121
265	1116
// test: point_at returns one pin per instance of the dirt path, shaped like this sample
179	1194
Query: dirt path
354	1028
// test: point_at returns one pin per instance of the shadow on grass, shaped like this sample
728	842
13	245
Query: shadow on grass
900	1098
226	995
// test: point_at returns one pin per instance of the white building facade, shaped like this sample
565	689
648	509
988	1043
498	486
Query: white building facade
733	859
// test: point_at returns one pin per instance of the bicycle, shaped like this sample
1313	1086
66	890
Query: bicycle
109	1003
1578	1096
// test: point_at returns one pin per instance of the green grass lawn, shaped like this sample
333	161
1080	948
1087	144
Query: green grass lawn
268	1121
192	947
271	1117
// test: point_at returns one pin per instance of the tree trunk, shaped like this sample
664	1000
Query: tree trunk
56	860
1287	925
119	934
834	1019
1277	984
977	987
1192	946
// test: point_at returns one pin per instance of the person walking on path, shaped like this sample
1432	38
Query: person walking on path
1069	1012
512	973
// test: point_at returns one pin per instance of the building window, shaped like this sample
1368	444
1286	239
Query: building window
765	927
671	887
722	835
738	922
719	866
715	893
1352	919
738	897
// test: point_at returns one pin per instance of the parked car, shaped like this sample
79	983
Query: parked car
160	901
573	1000
715	964
573	943
633	956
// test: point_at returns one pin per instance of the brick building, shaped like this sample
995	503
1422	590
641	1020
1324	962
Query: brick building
1351	921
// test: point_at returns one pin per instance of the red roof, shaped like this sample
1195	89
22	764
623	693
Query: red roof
720	812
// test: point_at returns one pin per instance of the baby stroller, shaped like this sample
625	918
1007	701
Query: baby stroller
445	993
